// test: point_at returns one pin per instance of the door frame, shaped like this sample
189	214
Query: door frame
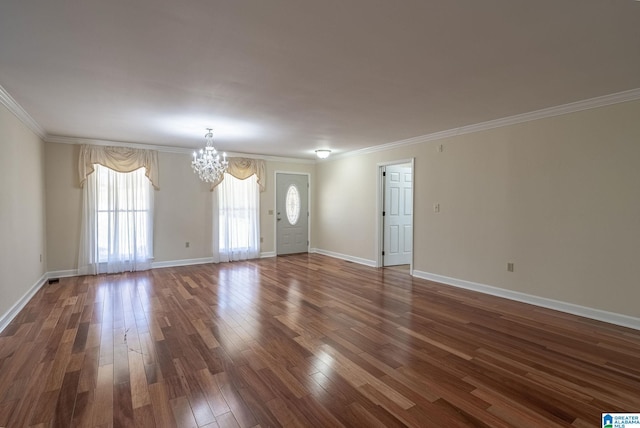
379	232
275	204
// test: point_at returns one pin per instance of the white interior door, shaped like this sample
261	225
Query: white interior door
398	215
292	213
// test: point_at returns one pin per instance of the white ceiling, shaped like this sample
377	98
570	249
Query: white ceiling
285	77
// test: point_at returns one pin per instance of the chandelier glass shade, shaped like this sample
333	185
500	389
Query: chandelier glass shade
207	162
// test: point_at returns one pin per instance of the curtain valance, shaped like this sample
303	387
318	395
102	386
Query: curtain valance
242	168
121	159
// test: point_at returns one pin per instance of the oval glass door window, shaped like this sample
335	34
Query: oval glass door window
292	203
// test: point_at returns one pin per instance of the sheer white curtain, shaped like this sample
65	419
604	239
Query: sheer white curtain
237	228
117	222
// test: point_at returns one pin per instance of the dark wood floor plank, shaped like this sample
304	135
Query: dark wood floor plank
286	414
161	406
138	380
143	417
23	410
304	340
199	405
103	398
67	399
238	406
182	413
83	410
89	370
211	389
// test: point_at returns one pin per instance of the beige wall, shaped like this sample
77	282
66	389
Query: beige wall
182	208
182	211
64	206
345	212
22	210
559	197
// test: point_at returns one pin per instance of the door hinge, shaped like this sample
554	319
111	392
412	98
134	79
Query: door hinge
384	213
384	173
383	253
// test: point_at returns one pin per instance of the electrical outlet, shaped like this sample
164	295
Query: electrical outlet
436	208
440	148
510	267
186	244
261	239
270	212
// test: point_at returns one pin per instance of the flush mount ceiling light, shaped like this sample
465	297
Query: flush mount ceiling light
207	163
323	153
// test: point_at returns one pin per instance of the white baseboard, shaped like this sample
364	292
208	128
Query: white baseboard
366	262
62	273
268	254
8	316
183	262
583	311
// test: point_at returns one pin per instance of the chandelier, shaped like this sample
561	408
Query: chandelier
207	163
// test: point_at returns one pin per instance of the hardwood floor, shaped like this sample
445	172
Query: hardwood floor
304	340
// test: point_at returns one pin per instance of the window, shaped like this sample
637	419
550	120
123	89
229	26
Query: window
117	222
292	203
238	220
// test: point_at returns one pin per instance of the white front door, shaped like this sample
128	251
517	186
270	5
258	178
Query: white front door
398	215
292	213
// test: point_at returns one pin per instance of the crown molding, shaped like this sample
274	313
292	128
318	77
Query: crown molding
12	105
165	149
605	100
60	139
631	95
15	108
